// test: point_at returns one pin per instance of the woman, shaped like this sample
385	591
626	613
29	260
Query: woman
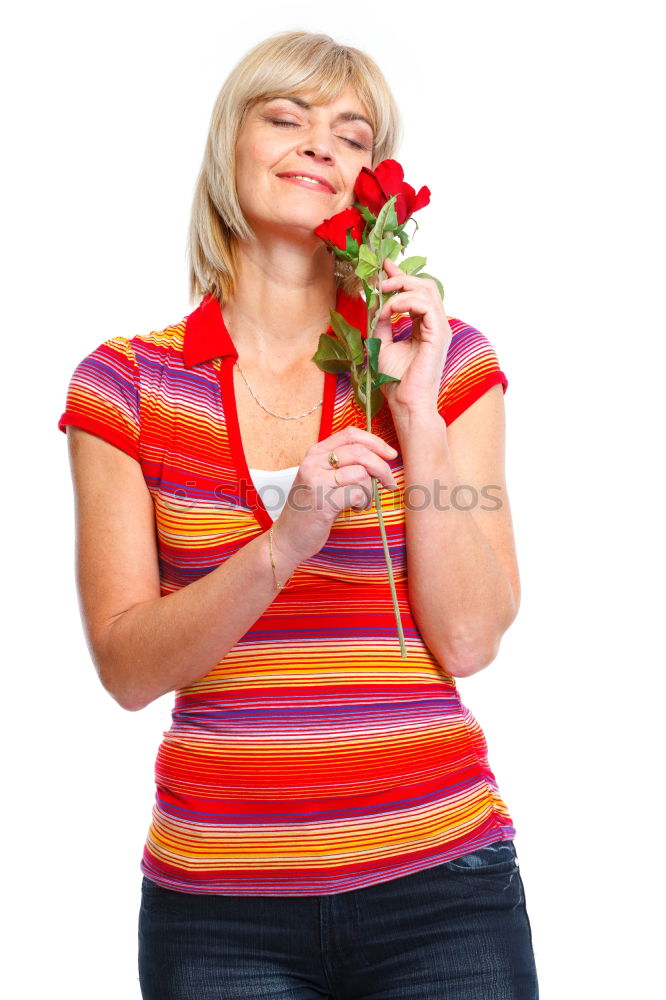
326	822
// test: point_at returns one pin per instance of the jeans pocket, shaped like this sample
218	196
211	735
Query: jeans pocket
150	895
497	860
155	899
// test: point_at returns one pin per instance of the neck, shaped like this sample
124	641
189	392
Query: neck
282	300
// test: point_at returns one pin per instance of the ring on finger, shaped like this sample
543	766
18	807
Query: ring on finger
335	476
333	460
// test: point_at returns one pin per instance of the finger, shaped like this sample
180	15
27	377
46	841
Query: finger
396	273
351	435
384	330
393	283
358	496
398	277
355	467
392	270
404	306
362	498
409	300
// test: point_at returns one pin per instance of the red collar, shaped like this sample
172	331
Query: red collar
207	337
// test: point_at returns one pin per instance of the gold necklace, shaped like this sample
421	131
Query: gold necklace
272	412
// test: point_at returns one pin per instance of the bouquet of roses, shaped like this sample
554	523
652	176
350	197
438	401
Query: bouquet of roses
367	233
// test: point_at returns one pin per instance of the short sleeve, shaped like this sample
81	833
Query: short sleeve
103	396
470	369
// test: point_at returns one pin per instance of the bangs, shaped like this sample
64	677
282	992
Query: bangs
324	70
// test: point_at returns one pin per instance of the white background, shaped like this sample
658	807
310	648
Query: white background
538	128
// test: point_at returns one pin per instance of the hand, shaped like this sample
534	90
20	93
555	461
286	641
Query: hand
418	361
316	498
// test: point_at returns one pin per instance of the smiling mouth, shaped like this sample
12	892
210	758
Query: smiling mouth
307	182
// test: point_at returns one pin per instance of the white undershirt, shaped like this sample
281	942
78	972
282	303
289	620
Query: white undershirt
273	486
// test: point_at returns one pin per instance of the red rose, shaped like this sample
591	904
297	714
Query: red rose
373	189
334	230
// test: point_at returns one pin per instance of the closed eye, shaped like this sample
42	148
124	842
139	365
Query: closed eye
281	121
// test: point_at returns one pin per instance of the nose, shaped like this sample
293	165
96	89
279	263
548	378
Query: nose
312	151
317	142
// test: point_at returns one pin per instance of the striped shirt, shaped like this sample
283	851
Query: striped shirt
312	759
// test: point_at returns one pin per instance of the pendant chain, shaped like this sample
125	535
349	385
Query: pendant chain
272	412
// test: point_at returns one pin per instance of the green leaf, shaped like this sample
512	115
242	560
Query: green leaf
352	247
402	236
349	335
376	397
389	248
365	270
335	366
373	345
371	295
368	263
332	355
331	347
382	378
391	223
376	402
410	265
366	254
436	280
343	254
365	212
387	221
357	386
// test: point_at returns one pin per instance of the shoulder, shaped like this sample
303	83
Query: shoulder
471	368
154	345
109	385
468	343
128	353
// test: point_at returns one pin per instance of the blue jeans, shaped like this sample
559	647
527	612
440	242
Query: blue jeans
456	931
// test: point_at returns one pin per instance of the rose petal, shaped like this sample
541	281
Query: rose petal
422	199
368	191
390	175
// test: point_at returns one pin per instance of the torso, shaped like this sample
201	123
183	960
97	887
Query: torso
268	441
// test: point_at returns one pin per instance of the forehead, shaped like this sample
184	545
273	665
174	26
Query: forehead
314	96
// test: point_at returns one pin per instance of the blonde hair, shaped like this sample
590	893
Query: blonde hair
289	63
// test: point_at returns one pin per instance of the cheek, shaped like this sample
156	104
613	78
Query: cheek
251	153
256	163
249	170
350	178
243	181
246	155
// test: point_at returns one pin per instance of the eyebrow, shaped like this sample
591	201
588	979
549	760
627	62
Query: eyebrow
347	116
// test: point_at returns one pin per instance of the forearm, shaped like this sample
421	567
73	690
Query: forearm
460	596
172	641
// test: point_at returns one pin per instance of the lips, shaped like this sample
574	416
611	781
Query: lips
315	177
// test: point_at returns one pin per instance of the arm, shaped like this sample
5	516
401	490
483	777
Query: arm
144	645
461	563
463	576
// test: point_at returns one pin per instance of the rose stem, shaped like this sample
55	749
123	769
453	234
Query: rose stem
378	502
